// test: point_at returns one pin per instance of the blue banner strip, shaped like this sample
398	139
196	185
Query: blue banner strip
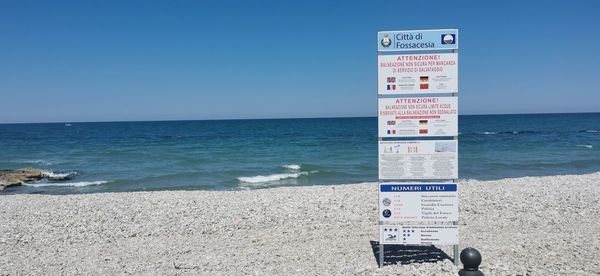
421	188
417	40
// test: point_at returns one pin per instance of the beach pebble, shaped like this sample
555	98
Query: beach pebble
522	226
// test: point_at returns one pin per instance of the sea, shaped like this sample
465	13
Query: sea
258	154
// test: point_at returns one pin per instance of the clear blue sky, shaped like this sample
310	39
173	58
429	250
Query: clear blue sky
167	60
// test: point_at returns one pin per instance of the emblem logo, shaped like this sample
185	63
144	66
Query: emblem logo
448	38
387	213
386	41
386	202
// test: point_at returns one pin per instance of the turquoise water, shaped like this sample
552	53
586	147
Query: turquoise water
251	154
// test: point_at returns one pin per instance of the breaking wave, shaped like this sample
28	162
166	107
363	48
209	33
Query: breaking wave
39	161
72	184
524	132
271	178
293	166
515	132
59	176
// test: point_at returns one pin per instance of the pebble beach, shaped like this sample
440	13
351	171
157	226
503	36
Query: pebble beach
522	226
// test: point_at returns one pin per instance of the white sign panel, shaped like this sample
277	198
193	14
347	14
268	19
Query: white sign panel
416	74
418	202
428	159
419	234
418	116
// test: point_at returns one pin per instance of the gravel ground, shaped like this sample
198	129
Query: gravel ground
523	226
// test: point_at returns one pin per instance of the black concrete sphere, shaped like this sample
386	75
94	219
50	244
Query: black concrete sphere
471	258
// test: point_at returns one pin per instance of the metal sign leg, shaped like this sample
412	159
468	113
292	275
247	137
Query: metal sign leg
380	254
456	257
456	254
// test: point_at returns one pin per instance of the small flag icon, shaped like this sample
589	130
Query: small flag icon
391	123
423	131
391	87
424	85
422	122
424	78
391	79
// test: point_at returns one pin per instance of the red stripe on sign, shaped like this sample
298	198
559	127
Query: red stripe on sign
418	117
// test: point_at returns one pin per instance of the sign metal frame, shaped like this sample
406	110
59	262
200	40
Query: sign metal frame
454	94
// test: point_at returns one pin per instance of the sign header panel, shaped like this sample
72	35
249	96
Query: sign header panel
418	40
417	74
418	117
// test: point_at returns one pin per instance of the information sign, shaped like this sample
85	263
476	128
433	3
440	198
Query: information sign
425	159
418	74
418	202
418	116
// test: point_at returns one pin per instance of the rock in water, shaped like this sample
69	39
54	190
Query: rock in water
18	177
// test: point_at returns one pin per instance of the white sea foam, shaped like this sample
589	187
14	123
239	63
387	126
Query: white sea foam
58	176
71	184
39	161
464	180
586	146
592	130
292	166
270	178
489	132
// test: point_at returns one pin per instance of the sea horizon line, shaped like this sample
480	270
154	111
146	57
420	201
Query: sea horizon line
281	118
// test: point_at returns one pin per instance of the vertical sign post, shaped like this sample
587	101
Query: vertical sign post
417	88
